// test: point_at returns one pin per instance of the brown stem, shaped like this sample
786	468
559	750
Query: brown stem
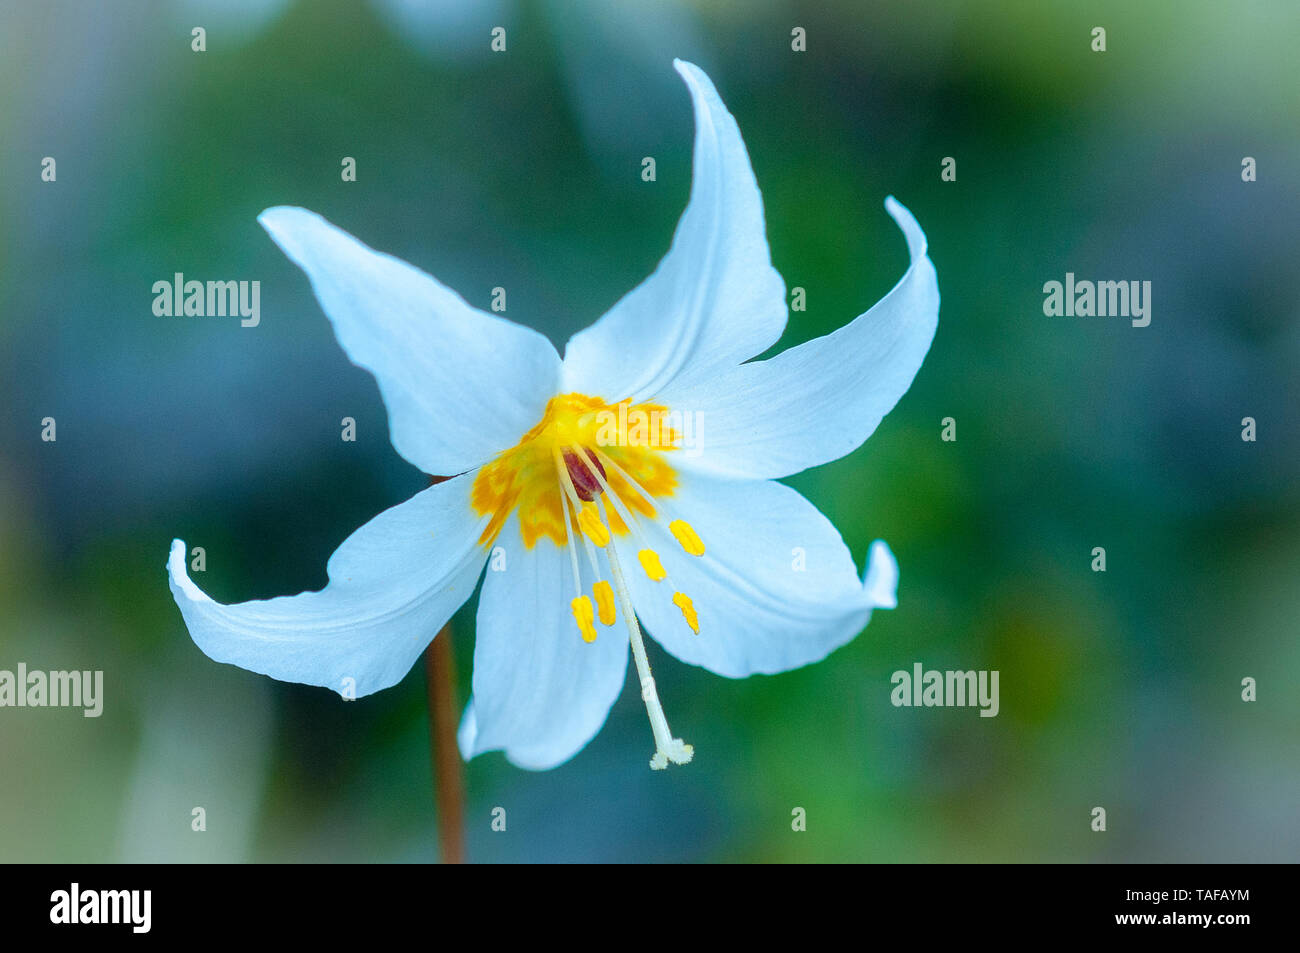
448	785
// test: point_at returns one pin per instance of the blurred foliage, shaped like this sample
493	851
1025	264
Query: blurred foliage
1118	689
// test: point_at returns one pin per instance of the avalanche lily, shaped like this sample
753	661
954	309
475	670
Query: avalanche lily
600	524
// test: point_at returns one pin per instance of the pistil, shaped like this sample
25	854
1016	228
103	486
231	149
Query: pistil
667	748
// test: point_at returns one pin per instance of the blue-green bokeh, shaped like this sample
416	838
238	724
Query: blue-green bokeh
522	170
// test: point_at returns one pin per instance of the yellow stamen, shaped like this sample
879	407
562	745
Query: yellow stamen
589	520
687	536
682	601
651	564
604	594
584	615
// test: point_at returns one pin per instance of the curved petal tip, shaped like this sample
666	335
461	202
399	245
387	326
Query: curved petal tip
279	220
467	733
880	582
916	241
179	576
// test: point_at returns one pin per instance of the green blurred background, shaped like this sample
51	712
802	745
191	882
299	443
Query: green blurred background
1119	689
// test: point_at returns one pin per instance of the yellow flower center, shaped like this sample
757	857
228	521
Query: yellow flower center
635	437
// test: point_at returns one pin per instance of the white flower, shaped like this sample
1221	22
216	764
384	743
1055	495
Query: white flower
598	525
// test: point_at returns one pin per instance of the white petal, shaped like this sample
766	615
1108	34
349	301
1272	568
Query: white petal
460	385
540	692
775	589
714	300
392	585
818	401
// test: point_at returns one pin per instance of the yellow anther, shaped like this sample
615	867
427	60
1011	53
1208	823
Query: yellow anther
585	616
589	520
682	601
651	564
604	594
687	536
